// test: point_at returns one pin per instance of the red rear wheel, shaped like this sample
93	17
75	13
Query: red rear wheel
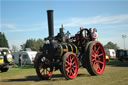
43	70
70	65
95	60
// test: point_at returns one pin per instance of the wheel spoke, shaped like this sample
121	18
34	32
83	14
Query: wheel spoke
67	62
66	65
97	51
75	66
69	59
67	69
73	70
94	48
95	66
47	70
73	63
93	63
101	54
92	51
93	59
100	62
42	71
99	68
72	59
71	73
93	55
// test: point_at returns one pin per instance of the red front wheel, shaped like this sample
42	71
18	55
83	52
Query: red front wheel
70	65
95	59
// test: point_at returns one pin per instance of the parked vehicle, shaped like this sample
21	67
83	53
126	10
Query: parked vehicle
122	54
111	53
27	57
6	59
107	58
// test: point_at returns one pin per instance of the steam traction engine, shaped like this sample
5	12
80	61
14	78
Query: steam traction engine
68	54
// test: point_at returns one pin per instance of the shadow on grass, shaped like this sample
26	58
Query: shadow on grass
118	63
28	78
55	77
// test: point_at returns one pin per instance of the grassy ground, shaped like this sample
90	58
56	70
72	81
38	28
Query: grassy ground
116	73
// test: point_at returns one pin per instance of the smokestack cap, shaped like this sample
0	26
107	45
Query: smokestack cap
49	10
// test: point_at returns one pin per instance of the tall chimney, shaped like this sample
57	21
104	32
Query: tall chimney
50	23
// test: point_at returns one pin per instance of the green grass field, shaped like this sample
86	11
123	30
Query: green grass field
116	73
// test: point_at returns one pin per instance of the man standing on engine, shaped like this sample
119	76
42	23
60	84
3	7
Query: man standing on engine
94	35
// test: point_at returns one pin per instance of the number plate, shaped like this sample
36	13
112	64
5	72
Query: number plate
1	60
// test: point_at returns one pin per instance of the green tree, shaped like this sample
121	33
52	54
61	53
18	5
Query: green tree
111	45
39	43
33	44
30	44
3	40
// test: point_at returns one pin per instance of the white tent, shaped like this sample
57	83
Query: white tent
27	56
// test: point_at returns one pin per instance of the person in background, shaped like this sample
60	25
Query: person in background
94	35
90	29
20	60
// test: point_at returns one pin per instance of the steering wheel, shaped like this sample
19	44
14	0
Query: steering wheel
85	34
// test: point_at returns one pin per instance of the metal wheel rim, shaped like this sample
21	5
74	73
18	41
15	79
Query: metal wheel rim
98	60
71	66
44	70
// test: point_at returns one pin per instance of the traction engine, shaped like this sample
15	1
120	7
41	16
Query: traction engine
69	54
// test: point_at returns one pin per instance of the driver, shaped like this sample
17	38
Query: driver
90	29
80	30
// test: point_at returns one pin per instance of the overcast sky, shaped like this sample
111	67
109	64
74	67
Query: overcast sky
25	19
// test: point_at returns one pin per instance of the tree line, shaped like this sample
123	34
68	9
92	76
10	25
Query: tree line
33	44
30	43
111	45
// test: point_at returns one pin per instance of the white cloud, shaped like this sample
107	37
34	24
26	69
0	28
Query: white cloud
96	20
9	28
72	22
8	25
14	28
